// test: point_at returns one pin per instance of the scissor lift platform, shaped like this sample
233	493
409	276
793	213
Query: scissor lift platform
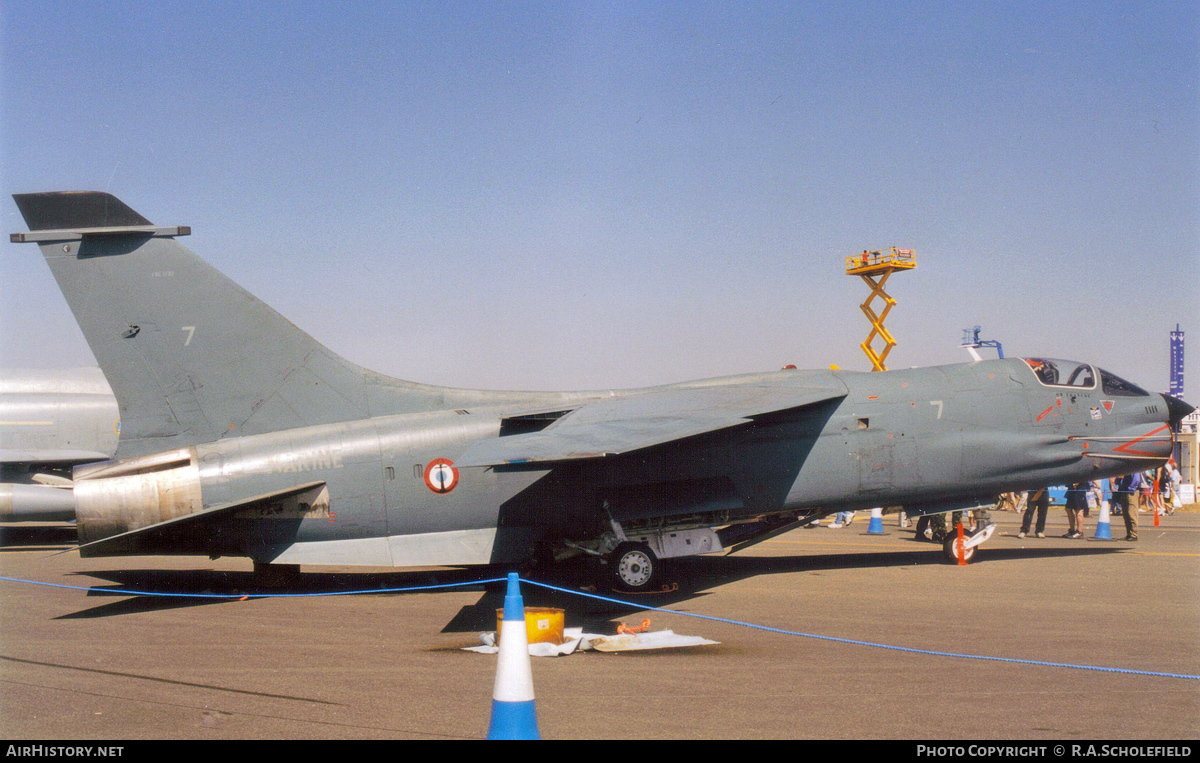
870	263
875	268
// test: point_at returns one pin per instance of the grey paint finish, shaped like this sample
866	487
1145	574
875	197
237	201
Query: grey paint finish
243	435
630	422
193	357
51	420
35	503
56	415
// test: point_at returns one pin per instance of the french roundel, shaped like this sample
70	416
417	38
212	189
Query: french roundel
441	476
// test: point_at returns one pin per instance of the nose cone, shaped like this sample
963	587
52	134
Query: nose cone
1177	409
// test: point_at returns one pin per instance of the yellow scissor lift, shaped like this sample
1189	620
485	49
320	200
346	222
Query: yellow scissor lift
875	268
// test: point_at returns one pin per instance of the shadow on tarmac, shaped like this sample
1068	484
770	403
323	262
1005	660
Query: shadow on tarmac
697	574
55	537
148	590
140	590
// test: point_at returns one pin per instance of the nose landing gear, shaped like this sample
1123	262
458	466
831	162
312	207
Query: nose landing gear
969	543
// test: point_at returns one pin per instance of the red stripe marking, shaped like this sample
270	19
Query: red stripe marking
1125	447
1042	415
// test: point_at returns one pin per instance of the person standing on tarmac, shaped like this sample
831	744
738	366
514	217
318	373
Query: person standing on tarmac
1076	504
1175	479
1123	492
1039	501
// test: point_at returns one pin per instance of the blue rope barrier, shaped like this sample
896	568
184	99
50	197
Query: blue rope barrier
640	607
856	642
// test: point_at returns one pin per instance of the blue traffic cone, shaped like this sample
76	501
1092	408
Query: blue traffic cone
514	715
875	527
1103	531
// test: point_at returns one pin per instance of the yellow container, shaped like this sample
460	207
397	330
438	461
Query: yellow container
543	625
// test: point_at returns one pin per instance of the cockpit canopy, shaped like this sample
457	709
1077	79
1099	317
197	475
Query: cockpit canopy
1062	373
1054	372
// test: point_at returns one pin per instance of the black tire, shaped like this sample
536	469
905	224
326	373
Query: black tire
635	568
950	548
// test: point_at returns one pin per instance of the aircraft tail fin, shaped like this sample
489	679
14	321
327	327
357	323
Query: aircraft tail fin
190	355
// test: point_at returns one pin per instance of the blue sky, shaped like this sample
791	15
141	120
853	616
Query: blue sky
583	195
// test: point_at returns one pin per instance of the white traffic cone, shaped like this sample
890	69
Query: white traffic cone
875	526
514	715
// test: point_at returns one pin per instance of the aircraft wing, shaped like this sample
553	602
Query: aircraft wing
619	425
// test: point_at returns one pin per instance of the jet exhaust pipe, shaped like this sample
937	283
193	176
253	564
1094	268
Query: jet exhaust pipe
116	497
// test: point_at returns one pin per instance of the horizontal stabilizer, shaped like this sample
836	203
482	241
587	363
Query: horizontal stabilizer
77	234
295	502
620	425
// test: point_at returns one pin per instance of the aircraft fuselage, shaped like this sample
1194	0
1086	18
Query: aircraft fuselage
394	495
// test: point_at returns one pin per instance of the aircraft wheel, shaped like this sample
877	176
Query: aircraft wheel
635	568
950	548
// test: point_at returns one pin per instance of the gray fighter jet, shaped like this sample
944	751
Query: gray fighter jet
50	421
242	435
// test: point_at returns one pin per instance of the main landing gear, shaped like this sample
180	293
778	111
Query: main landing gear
635	568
